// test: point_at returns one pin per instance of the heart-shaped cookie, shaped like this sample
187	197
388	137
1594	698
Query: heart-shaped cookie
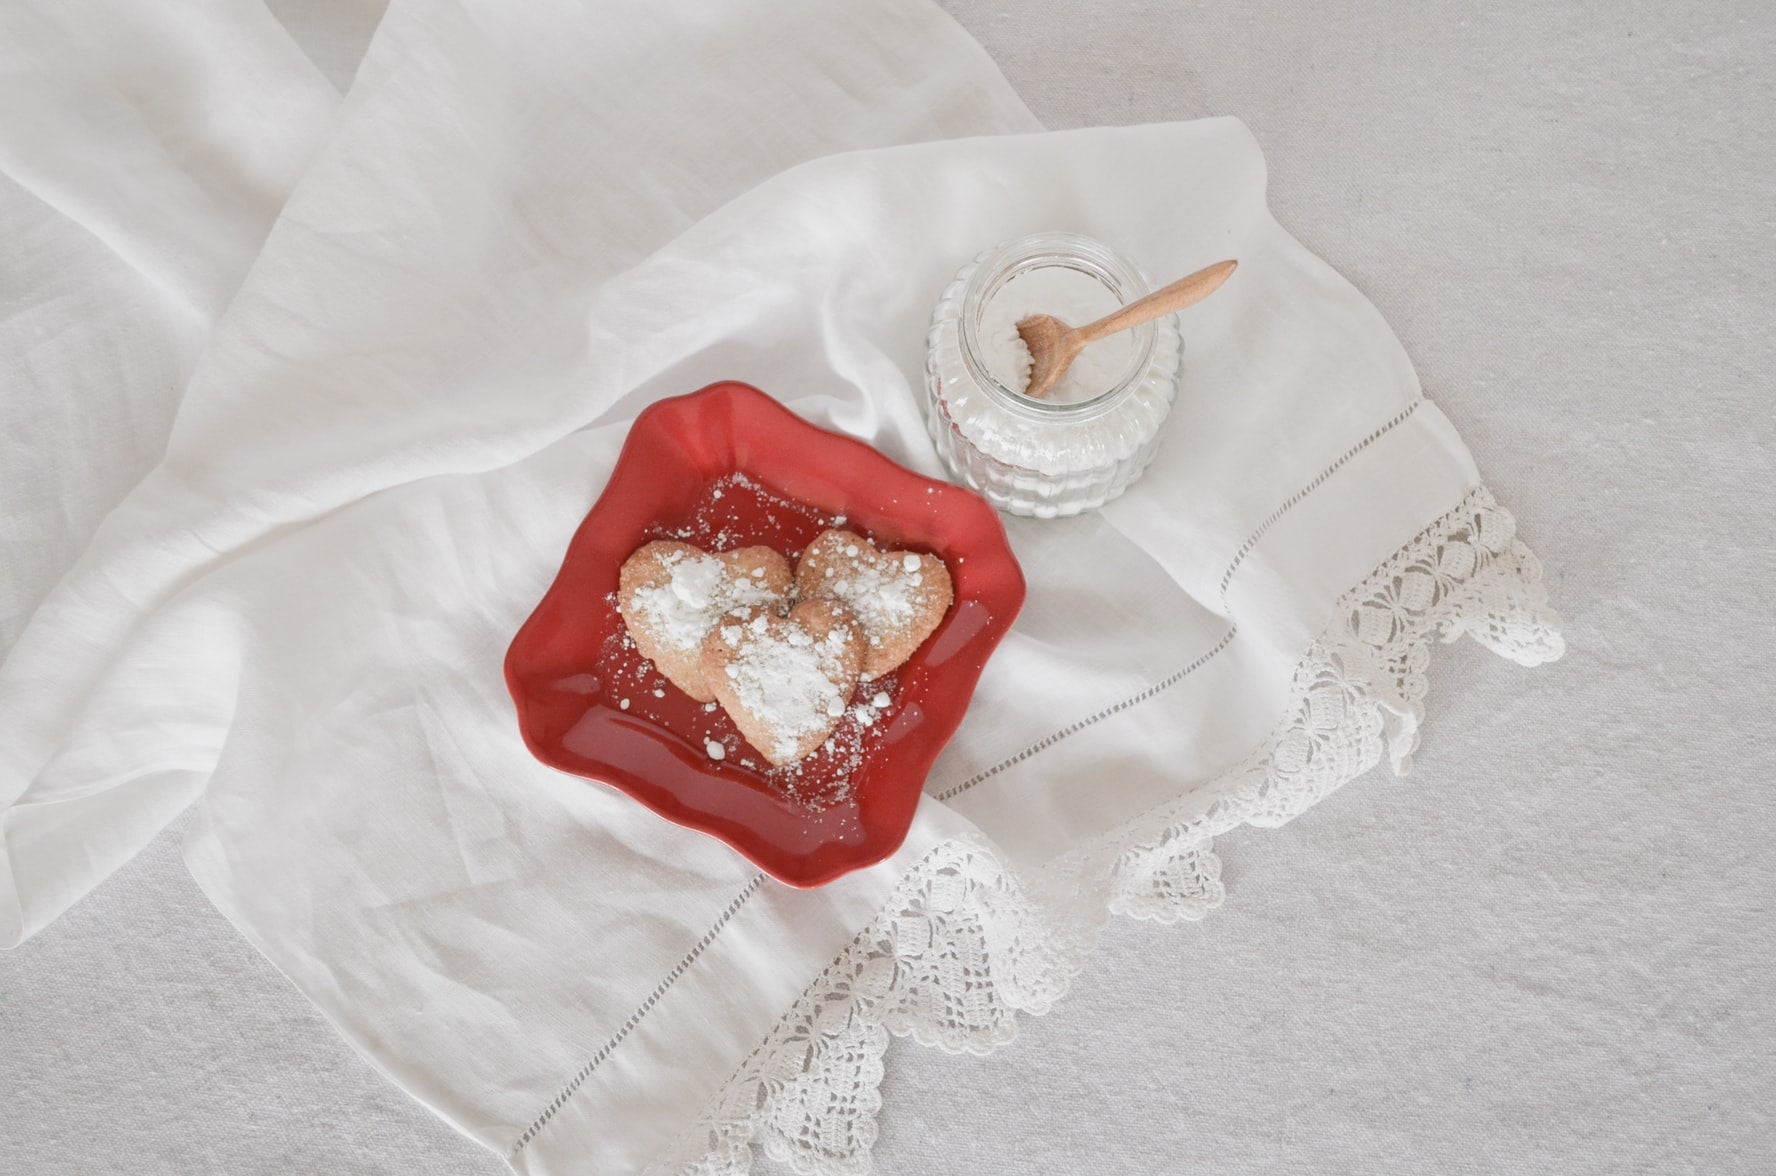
898	597
785	681
670	594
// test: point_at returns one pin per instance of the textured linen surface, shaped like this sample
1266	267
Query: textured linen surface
131	208
1221	1006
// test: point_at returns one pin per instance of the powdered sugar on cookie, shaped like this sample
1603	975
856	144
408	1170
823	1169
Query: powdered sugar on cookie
882	597
790	686
899	598
671	594
785	681
698	590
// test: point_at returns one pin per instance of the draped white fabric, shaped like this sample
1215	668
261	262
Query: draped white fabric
397	396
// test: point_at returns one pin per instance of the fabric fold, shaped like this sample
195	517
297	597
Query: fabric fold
326	381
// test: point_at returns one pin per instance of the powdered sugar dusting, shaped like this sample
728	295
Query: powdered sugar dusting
790	682
880	592
700	589
823	778
730	512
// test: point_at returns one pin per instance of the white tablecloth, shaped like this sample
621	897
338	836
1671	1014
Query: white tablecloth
1545	949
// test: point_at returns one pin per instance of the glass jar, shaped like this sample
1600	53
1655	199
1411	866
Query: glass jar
1043	457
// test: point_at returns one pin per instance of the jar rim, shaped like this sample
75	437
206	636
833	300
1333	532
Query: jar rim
1009	259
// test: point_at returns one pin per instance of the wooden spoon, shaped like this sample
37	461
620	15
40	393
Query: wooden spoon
1054	345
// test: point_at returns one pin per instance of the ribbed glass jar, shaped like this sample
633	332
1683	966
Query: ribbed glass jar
1037	457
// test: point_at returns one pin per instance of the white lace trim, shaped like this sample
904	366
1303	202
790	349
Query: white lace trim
964	944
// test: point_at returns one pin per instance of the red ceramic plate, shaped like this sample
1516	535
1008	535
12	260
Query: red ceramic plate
729	467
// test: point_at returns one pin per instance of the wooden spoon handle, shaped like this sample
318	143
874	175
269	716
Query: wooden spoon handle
1181	293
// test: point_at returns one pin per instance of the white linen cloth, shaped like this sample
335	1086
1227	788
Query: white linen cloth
521	227
130	213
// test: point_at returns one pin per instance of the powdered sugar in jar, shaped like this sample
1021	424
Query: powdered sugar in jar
1097	430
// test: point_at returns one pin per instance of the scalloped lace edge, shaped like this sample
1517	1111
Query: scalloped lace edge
965	943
